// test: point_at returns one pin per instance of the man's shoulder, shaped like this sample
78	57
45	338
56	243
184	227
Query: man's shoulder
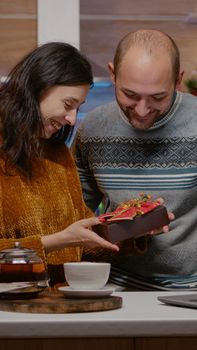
99	120
187	110
101	112
189	100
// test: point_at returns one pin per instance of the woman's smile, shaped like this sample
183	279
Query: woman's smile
56	124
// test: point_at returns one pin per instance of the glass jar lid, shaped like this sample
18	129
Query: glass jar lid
26	254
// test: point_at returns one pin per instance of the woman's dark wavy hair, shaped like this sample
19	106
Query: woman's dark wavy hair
51	64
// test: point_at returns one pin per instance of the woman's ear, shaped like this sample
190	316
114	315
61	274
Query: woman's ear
111	72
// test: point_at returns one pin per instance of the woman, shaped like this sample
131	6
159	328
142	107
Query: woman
41	199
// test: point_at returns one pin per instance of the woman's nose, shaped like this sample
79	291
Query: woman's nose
142	108
71	117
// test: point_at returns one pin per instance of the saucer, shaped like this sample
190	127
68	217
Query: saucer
81	293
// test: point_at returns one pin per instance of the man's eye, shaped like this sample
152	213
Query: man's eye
158	98
130	95
67	105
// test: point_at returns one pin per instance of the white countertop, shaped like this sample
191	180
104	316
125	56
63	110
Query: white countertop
141	315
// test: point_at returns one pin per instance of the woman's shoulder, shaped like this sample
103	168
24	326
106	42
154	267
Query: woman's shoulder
57	152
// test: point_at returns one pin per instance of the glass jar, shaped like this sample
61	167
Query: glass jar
19	264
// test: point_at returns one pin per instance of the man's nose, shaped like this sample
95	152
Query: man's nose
71	117
142	108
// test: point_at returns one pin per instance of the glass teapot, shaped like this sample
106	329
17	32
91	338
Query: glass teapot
19	264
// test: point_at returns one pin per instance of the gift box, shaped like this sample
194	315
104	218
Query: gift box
132	219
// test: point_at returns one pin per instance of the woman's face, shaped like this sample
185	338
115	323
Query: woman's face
59	105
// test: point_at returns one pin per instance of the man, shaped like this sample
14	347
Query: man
146	141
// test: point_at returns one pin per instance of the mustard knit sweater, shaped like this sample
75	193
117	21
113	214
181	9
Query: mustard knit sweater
48	203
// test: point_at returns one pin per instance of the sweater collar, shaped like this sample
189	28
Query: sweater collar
166	117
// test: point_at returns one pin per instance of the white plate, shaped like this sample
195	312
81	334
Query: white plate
7	287
93	293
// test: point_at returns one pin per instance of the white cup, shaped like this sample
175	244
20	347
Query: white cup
86	275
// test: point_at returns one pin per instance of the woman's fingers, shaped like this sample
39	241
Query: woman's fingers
83	234
104	243
89	222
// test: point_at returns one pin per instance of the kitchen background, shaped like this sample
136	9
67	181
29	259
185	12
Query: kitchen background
102	24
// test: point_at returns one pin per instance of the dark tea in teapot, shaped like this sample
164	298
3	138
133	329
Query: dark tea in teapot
21	265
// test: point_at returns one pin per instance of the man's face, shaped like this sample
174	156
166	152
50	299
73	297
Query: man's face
144	87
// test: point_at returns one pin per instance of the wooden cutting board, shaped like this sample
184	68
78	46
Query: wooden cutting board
55	302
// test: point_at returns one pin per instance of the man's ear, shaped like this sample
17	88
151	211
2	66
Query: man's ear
111	72
179	80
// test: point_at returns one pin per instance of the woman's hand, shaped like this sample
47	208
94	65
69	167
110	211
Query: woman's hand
77	234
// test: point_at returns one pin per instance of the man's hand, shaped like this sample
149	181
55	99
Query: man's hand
165	228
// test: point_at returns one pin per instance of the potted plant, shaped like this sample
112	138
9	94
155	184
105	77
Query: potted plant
191	84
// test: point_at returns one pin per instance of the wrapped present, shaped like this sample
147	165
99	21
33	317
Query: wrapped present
132	219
